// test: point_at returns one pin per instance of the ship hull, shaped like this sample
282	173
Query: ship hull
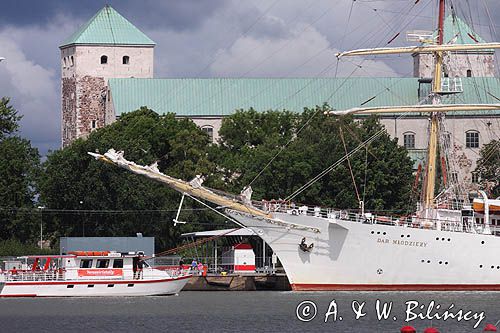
91	288
350	255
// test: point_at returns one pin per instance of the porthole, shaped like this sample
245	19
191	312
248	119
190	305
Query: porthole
437	238
482	242
449	239
446	263
373	232
378	232
492	267
440	262
385	233
422	260
428	261
480	266
408	236
442	239
402	236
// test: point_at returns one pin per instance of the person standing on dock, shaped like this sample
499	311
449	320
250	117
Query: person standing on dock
194	265
200	268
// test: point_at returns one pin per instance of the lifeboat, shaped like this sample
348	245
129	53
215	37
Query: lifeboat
494	206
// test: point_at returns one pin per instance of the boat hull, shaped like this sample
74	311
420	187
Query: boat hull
91	288
349	255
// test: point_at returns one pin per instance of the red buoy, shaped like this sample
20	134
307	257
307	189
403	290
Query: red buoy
431	330
408	329
490	328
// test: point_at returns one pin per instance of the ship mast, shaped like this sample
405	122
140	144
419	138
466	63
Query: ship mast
430	179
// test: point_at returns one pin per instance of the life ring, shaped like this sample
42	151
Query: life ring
295	212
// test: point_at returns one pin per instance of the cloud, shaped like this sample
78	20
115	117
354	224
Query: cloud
306	52
30	76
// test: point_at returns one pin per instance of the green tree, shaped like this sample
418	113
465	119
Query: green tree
488	167
88	197
382	171
19	168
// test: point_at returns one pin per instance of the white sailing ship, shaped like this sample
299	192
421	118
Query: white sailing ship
442	246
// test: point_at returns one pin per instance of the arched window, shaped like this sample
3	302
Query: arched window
64	62
104	59
469	73
210	131
126	60
409	140
72	61
472	139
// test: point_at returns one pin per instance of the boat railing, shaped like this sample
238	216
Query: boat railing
411	221
57	275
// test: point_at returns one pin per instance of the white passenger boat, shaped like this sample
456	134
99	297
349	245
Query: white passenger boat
89	273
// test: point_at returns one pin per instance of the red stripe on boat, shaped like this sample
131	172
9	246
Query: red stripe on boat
394	287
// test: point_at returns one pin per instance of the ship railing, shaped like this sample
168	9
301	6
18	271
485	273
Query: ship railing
411	221
61	276
34	276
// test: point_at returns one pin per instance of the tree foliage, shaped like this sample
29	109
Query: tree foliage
249	140
103	200
19	167
488	167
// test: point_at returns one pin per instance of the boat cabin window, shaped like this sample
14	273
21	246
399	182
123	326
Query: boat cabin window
118	263
86	263
102	263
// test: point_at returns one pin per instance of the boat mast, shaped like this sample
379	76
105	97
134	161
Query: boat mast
429	187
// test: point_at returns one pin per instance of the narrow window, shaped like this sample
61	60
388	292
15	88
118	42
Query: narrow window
64	62
102	263
86	263
72	61
469	73
104	59
118	263
90	286
111	285
93	124
210	131
130	285
69	286
125	60
472	139
409	140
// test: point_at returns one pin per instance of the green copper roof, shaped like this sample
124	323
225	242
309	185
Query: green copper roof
108	27
455	27
222	96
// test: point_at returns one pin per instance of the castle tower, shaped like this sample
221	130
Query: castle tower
457	64
107	46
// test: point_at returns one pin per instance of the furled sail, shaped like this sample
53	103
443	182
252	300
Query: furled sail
417	108
420	49
192	188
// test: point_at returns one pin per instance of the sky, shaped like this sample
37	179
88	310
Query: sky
215	38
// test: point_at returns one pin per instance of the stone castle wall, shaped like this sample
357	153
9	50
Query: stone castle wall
480	64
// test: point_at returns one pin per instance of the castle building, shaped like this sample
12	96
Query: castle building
107	70
107	46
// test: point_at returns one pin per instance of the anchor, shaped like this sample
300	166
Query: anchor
304	247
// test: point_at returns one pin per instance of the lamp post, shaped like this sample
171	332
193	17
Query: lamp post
41	225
